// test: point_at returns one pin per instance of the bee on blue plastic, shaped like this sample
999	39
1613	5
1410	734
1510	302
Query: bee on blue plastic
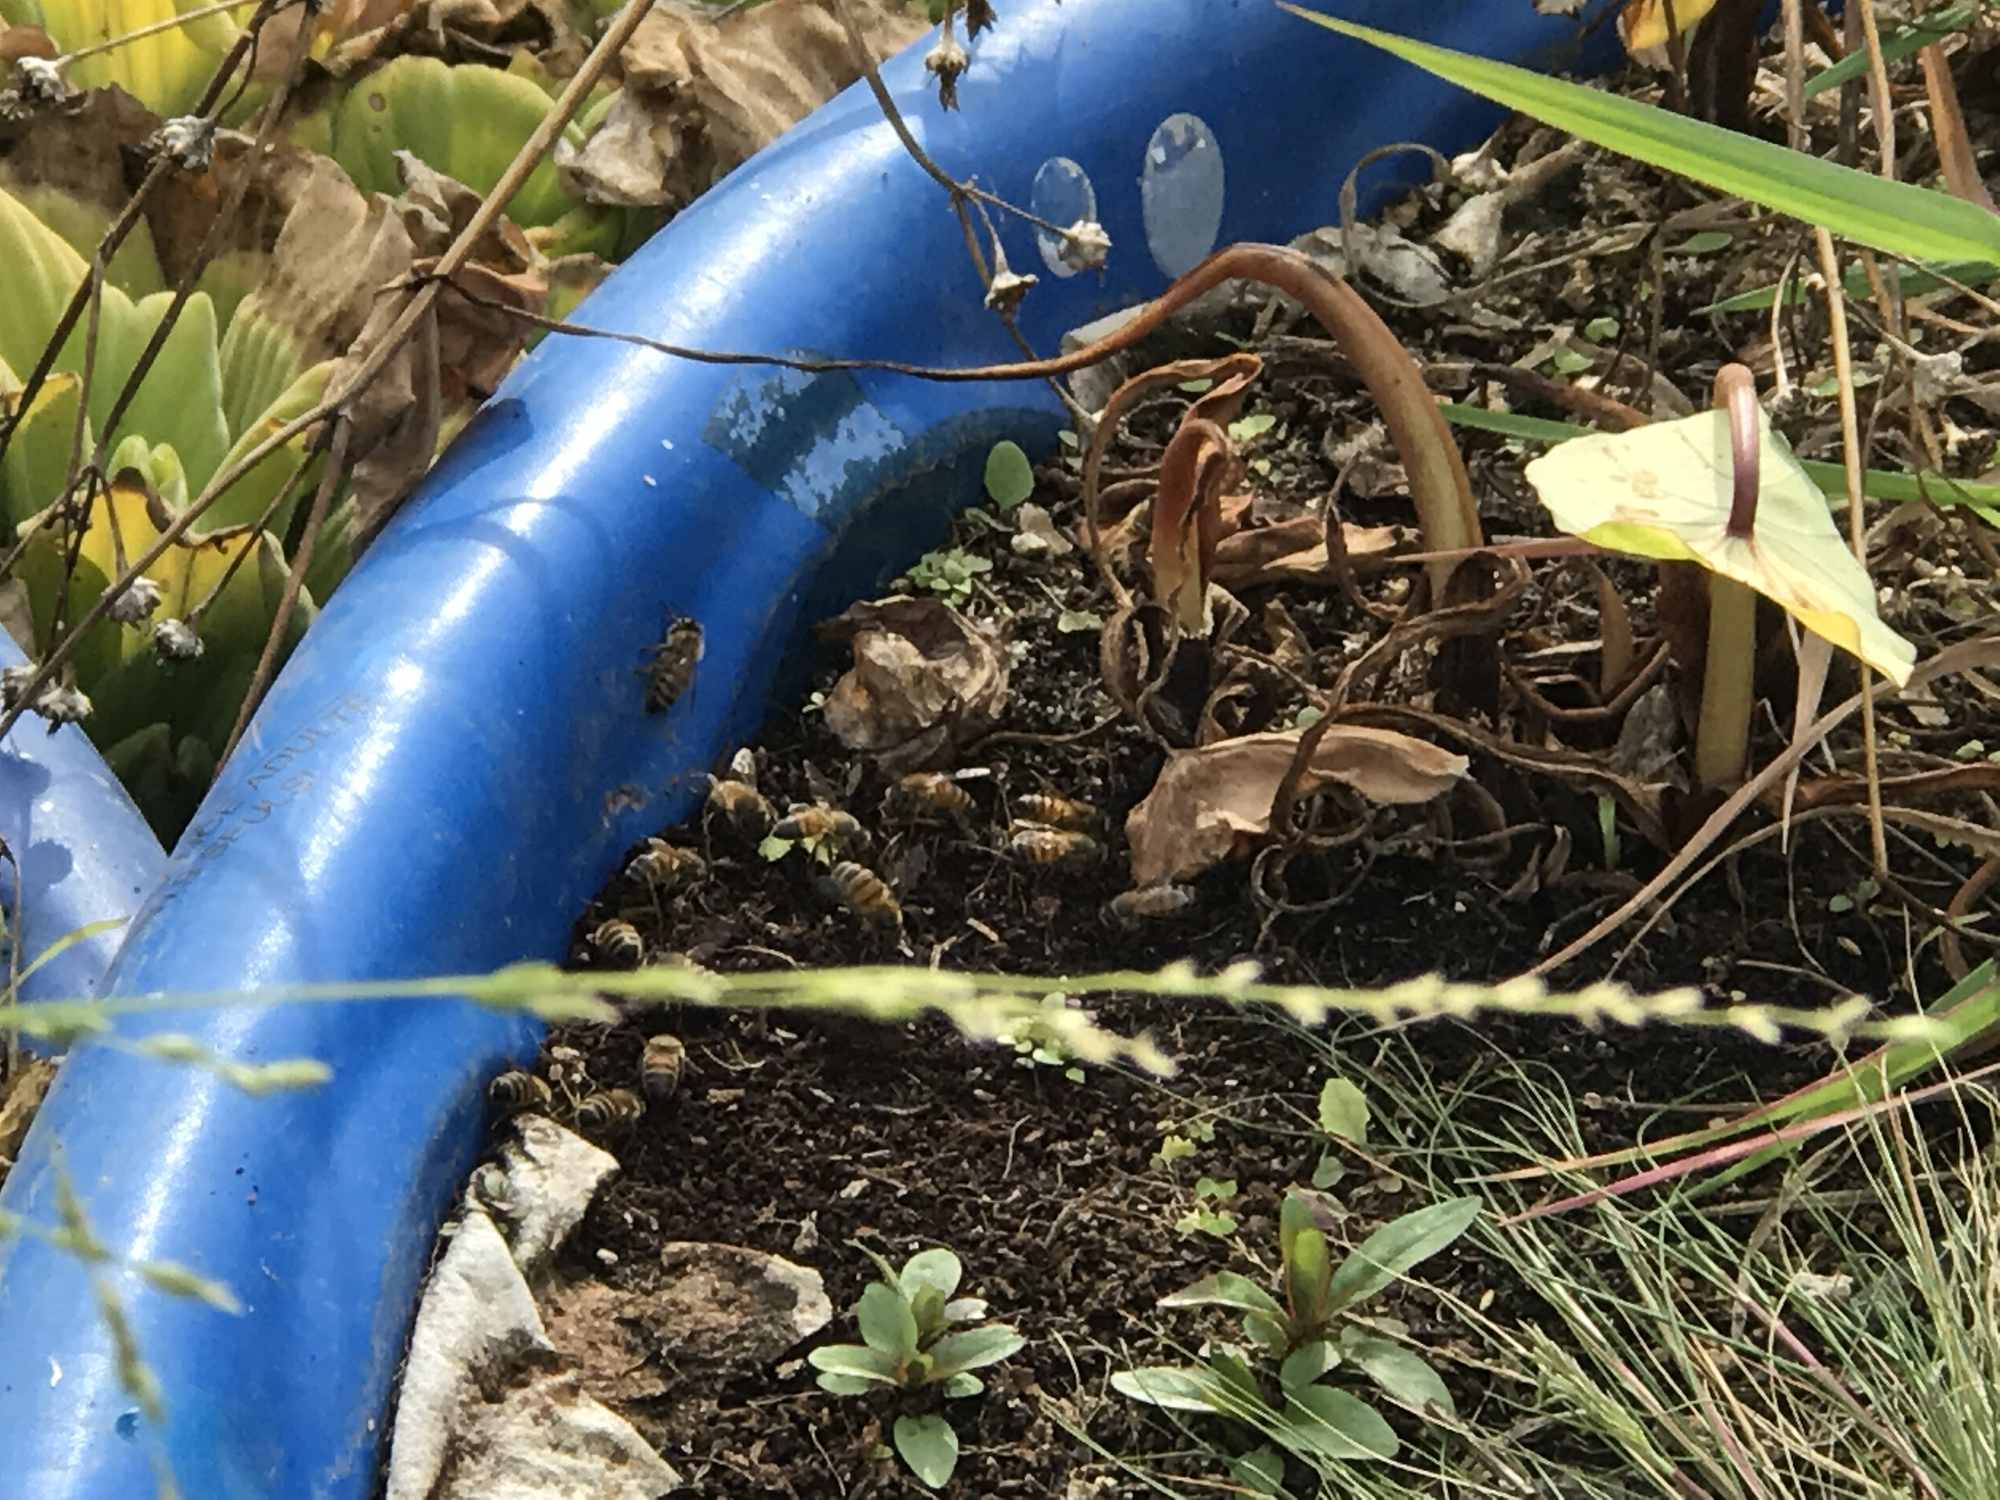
669	670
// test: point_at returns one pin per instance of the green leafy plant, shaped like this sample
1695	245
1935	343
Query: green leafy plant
949	574
1305	1334
1009	478
1038	1043
915	1334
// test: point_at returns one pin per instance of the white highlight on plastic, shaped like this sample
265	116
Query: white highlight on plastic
1062	194
1181	192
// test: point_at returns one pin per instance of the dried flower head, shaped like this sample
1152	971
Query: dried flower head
40	81
947	60
175	640
13	683
189	140
1085	246
60	705
140	598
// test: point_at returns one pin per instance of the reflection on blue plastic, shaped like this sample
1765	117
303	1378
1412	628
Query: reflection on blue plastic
460	752
1181	187
1061	194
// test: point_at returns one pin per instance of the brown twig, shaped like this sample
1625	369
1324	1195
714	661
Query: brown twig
260	680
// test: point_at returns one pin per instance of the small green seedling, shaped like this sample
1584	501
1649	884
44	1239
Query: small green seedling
1304	1335
1038	1044
1210	1214
1010	479
949	574
915	1334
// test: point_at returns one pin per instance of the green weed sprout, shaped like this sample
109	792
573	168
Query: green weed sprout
1304	1337
916	1334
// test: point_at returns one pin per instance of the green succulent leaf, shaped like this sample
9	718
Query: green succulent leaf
1335	1424
1267	1332
938	1269
965	1310
1405	1377
961	1385
974	1349
1307	1363
1009	479
1225	1289
179	401
1294	1214
929	1447
1397	1246
1262	1471
36	463
1236	1390
927	1307
887	1324
856	1363
1308	1280
1173	1387
846	1385
246	500
1343	1110
467	121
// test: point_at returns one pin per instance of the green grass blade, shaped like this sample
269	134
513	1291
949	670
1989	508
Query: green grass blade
1894	217
1900	44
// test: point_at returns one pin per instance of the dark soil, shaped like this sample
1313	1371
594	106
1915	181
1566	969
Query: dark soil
797	1137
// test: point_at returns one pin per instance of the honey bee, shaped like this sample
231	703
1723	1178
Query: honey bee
1039	845
1054	812
660	1067
1149	903
611	1112
864	893
815	820
926	797
670	665
515	1092
742	807
618	942
666	868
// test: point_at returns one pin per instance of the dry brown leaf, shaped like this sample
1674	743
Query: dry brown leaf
925	680
1294	551
20	1097
702	95
1210	804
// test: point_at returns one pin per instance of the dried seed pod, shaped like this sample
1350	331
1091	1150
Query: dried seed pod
175	640
140	598
863	892
618	942
660	1067
926	797
515	1092
815	820
63	705
1054	812
609	1113
1149	903
666	868
742	808
1039	845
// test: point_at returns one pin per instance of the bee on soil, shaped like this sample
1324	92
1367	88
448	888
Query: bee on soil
1149	903
1054	812
670	665
660	1067
515	1092
666	868
864	893
610	1113
742	807
926	797
815	820
1038	845
617	941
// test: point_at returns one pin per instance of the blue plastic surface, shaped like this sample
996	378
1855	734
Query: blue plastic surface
456	756
76	849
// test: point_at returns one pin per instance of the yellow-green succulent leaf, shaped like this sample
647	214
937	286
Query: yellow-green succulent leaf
134	268
159	464
1664	490
42	274
467	122
166	71
179	400
36	464
261	357
245	501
